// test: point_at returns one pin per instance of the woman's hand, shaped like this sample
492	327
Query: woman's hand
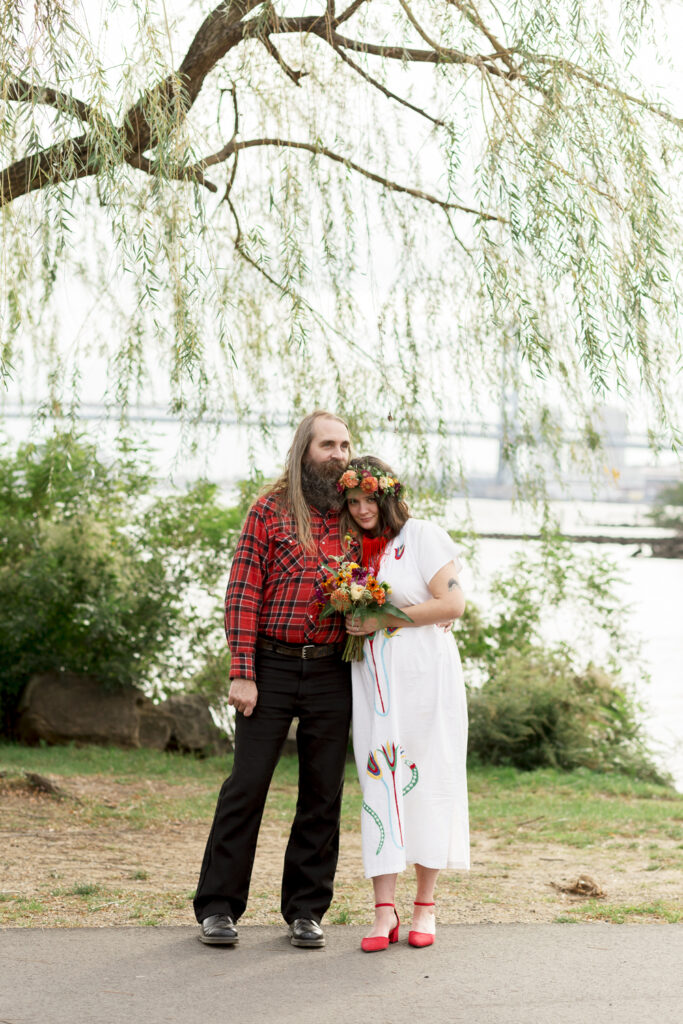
363	627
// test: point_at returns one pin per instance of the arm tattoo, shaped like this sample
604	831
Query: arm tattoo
453	584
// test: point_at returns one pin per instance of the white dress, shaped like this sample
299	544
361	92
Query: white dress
410	722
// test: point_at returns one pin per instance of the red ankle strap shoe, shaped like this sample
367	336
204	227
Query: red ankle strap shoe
375	943
421	939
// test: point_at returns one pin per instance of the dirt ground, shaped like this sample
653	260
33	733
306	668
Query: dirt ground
61	869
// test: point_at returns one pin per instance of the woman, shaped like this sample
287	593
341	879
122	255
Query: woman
409	708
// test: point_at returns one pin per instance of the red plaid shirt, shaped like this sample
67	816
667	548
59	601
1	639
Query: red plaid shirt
272	586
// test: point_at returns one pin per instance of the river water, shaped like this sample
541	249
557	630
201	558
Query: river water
651	589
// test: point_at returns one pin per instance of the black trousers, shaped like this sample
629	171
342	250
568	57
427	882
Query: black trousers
319	693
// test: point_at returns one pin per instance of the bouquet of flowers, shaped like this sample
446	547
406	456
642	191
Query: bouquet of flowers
352	588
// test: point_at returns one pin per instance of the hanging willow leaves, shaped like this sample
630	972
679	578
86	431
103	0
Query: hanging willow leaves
404	210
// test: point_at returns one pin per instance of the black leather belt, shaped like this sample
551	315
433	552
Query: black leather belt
307	652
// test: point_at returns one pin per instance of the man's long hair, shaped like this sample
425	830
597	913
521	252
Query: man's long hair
288	487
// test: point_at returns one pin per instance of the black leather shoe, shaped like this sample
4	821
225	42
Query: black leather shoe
218	930
307	934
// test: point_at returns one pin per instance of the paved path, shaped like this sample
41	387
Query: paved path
478	974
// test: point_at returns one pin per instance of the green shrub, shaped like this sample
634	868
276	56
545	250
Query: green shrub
667	510
535	704
100	576
535	711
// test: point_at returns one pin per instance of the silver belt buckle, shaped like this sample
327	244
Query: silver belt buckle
305	648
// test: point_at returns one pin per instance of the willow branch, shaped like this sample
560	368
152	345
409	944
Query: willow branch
469	11
418	27
295	76
387	92
507	122
480	60
231	180
170	100
290	293
412	54
65	161
349	12
77	158
234	147
613	90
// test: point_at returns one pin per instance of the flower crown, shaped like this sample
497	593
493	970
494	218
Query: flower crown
371	480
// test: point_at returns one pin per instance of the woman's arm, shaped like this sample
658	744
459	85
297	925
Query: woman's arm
447	602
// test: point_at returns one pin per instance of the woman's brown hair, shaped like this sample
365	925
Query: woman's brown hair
393	512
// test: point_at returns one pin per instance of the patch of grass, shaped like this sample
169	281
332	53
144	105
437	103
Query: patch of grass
576	809
20	908
85	889
113	761
669	911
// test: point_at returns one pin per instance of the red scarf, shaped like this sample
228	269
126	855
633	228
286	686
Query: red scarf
373	549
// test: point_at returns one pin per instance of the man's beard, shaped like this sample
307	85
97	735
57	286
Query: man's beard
319	483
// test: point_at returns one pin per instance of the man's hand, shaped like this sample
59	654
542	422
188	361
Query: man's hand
243	695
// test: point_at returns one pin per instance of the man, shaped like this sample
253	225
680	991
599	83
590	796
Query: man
285	664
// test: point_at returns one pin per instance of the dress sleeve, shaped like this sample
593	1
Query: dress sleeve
433	549
244	595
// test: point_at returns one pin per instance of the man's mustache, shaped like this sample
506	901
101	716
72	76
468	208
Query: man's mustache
330	470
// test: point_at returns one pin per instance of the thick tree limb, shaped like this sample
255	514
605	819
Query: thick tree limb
18	90
143	163
79	158
65	161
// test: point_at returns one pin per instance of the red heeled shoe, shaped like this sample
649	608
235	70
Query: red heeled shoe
421	939
377	942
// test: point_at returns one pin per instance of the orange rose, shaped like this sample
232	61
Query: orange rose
369	484
349	479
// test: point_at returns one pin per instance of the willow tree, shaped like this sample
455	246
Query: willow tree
406	209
